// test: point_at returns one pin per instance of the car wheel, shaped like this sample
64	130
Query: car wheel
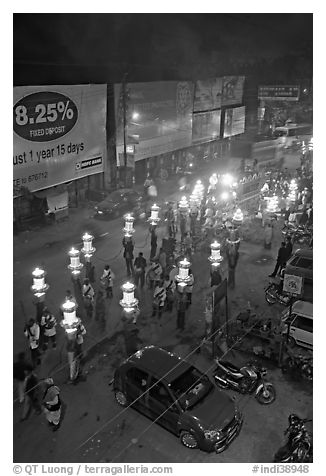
121	398
188	440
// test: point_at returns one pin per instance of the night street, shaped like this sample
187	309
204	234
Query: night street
162	239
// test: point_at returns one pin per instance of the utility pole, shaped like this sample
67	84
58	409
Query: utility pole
124	107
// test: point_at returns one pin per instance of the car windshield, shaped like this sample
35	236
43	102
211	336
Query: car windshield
115	197
191	387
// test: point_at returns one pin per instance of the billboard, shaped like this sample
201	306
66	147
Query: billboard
234	121
208	93
279	93
59	134
232	90
206	125
158	113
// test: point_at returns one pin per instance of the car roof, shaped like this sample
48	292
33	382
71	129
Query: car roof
306	253
159	362
303	308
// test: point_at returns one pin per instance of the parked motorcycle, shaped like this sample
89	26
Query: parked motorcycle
273	294
298	366
247	379
298	234
298	448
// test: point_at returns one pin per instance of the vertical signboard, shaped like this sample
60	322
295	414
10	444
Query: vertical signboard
208	93
232	90
158	113
234	122
59	134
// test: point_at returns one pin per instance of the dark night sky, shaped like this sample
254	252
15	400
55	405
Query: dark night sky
152	46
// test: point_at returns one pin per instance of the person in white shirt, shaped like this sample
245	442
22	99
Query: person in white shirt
159	298
32	332
88	297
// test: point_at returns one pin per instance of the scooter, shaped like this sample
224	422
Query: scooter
247	379
273	295
298	448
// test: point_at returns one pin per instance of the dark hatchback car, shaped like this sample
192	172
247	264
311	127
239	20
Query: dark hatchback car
301	264
119	202
179	397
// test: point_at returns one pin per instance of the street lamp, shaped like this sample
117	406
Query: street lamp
70	320
215	258
154	218
71	324
183	277
88	250
183	205
237	217
39	289
129	225
75	265
128	302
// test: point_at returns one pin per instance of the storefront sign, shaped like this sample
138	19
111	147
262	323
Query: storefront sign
232	90
59	134
279	93
208	93
158	113
234	121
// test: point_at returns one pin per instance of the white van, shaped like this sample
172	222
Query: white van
301	324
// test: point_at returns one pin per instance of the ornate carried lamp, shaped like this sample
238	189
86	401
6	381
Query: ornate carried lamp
215	258
199	190
88	249
39	287
183	277
272	204
237	217
75	265
129	225
70	320
128	302
183	205
154	218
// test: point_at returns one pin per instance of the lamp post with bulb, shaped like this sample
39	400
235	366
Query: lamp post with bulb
130	313
88	250
39	288
75	267
74	330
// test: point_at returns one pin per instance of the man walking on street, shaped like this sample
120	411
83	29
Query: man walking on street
52	404
48	323
281	259
30	397
153	243
140	266
32	332
88	297
107	280
182	303
159	297
19	374
128	254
